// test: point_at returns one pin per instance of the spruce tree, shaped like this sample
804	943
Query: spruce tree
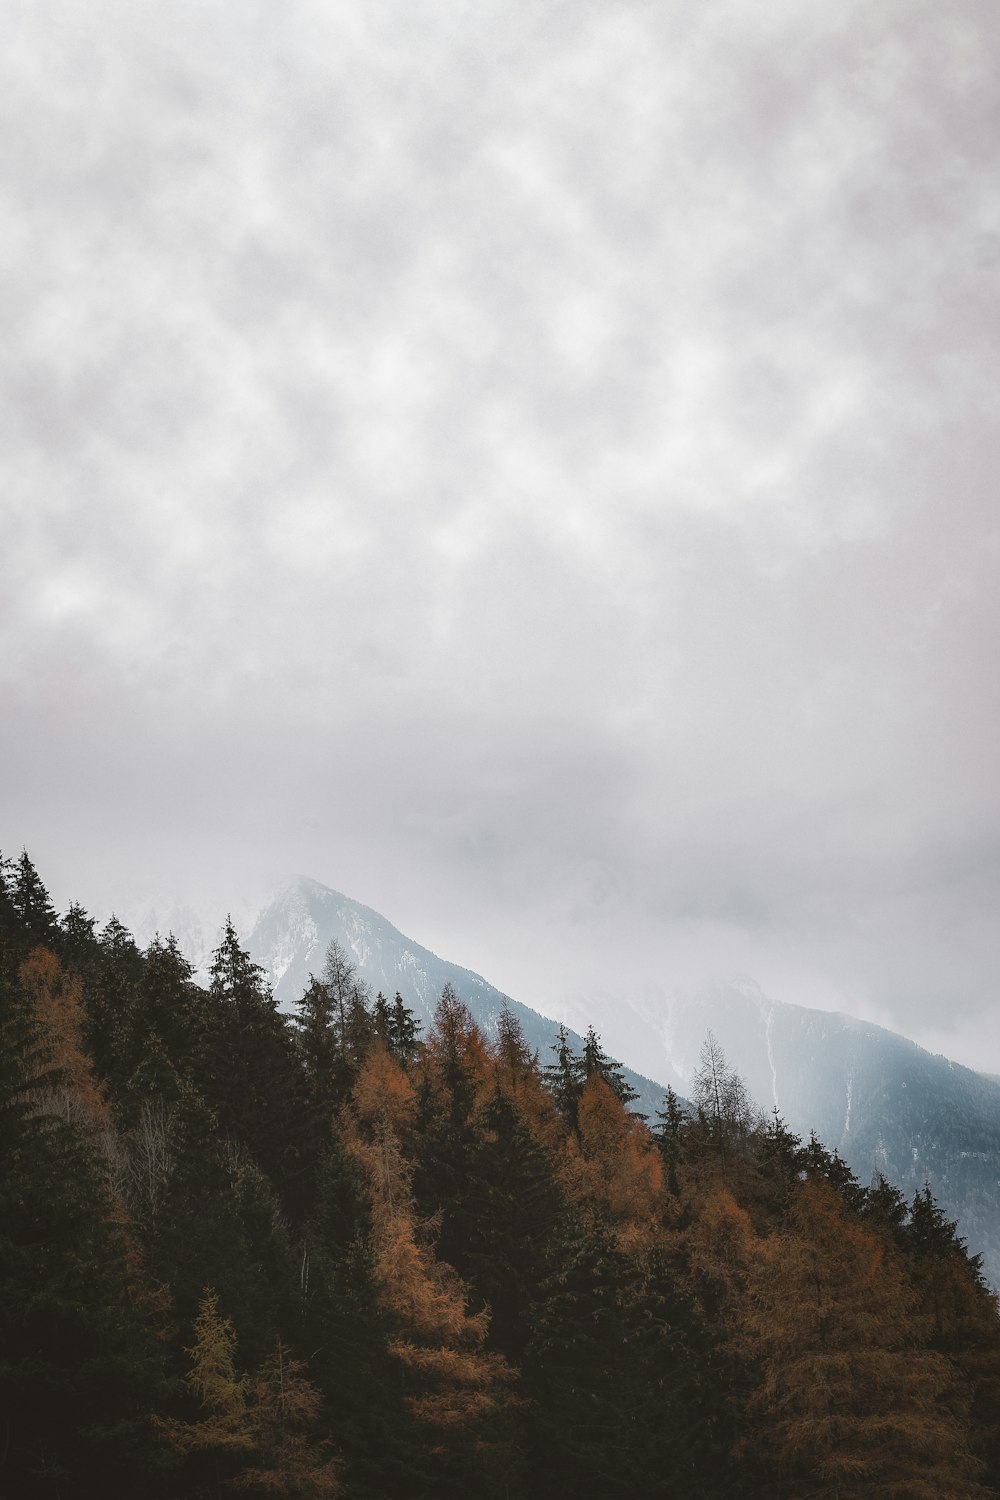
32	906
79	1373
564	1078
247	1068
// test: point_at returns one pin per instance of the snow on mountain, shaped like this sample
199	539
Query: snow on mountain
883	1102
291	936
880	1100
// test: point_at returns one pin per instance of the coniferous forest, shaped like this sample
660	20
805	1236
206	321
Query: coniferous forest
331	1254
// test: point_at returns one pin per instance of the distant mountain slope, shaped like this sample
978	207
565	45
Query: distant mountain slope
292	934
883	1102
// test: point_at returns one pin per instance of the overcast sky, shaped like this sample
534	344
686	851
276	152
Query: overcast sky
530	466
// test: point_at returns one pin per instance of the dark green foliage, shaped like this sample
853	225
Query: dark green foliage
235	1157
78	1369
668	1135
931	1233
613	1384
79	942
346	1333
247	1069
167	1001
885	1206
446	1136
819	1161
219	1224
327	1076
32	907
564	1078
403	1032
111	998
596	1061
514	1209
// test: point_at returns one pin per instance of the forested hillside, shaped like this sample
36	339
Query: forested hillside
340	1254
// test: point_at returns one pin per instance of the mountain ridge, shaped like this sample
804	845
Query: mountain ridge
291	936
882	1101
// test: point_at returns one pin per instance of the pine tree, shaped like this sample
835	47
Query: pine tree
720	1093
597	1063
455	1389
454	1072
515	1209
249	1432
610	1380
668	1136
31	904
404	1032
114	1034
79	944
345	1324
340	978
959	1313
564	1078
326	1077
247	1068
79	1372
216	1385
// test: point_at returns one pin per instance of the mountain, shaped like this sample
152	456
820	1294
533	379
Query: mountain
880	1100
292	934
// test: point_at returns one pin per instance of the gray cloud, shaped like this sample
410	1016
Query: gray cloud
531	467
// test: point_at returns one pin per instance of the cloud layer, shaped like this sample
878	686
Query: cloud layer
529	466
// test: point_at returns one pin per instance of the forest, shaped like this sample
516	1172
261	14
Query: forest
332	1254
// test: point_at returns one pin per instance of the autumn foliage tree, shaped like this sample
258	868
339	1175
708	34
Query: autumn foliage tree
437	1268
455	1390
849	1403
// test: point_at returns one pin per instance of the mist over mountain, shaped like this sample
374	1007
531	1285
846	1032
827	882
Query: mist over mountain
292	934
883	1102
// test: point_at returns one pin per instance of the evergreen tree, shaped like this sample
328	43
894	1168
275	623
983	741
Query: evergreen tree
515	1208
79	944
564	1078
611	1382
32	907
404	1032
167	1003
114	1034
668	1136
597	1063
79	1373
454	1070
247	1068
344	1322
326	1076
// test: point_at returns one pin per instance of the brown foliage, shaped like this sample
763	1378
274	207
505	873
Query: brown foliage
259	1423
383	1096
614	1169
58	1010
440	1341
846	1400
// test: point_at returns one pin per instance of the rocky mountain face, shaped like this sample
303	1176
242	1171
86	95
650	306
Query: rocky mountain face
881	1101
291	936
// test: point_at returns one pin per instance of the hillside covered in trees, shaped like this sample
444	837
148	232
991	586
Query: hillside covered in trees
339	1254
